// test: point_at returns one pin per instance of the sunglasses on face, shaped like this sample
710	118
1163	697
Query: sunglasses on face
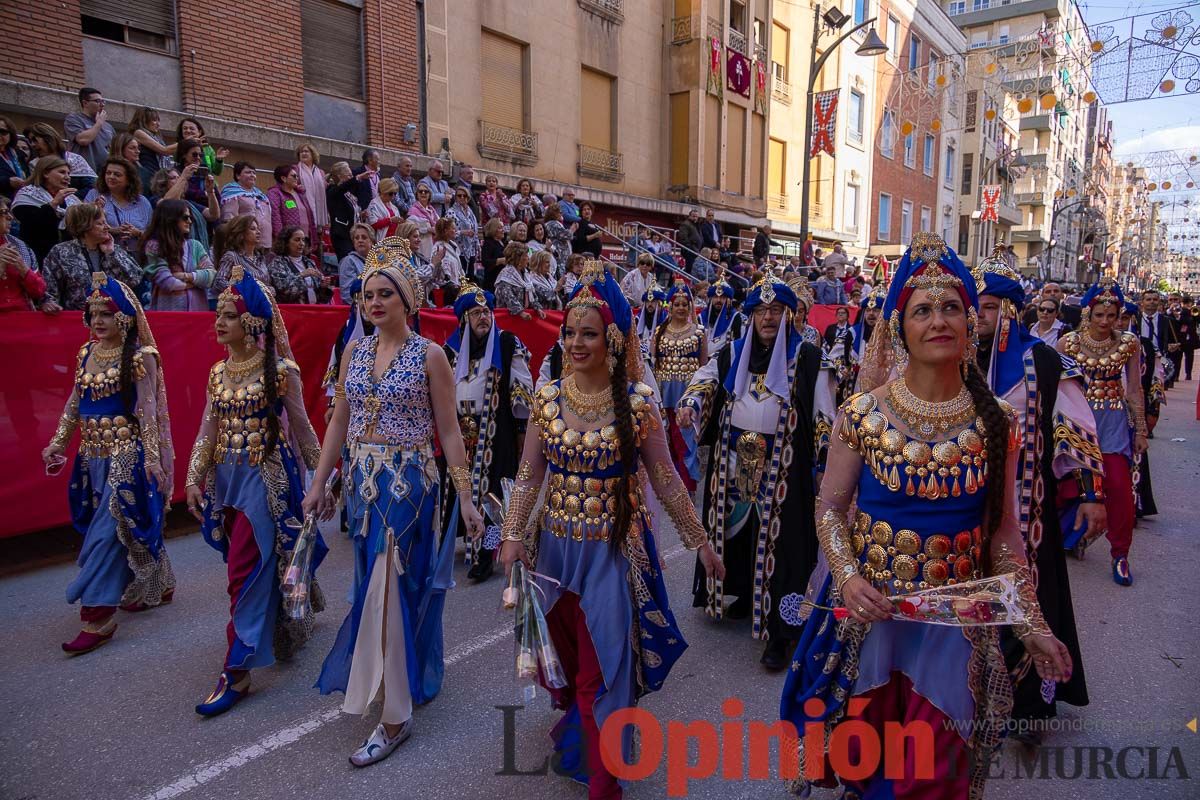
1045	310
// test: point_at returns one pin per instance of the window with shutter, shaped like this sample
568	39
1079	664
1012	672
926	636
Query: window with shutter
502	81
331	37
597	113
776	167
681	156
145	23
735	151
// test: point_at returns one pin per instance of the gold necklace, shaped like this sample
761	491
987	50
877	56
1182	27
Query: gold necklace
238	371
1096	346
105	356
925	417
588	407
685	327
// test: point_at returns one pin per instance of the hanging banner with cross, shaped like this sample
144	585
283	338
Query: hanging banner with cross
991	203
824	122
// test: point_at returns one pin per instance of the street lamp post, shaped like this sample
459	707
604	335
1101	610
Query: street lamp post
872	45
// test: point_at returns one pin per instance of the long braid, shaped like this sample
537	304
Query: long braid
627	438
128	379
995	426
270	381
658	335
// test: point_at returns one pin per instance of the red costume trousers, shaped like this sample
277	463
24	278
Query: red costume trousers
569	632
896	701
96	615
240	562
1118	503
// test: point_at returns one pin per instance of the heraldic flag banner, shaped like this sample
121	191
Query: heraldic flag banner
824	122
991	203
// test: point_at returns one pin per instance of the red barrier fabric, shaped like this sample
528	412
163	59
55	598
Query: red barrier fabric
40	351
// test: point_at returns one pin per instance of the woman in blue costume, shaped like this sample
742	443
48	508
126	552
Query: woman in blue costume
121	480
245	485
393	390
597	431
926	459
679	348
722	321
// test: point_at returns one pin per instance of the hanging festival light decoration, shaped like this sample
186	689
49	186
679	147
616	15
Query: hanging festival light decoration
1089	97
1047	101
906	128
1025	105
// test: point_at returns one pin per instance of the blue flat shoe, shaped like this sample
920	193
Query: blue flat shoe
225	696
1121	574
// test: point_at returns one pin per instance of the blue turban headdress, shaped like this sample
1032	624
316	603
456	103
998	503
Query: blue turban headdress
471	296
720	288
599	290
930	264
1006	366
1104	292
248	295
769	289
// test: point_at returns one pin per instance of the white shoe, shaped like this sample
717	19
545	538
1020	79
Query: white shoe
378	746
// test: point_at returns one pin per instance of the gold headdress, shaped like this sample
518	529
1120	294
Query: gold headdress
99	301
252	323
598	290
393	258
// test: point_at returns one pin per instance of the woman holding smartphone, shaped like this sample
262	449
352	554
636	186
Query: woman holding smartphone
122	477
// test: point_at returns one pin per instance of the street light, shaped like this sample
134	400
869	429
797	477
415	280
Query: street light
871	46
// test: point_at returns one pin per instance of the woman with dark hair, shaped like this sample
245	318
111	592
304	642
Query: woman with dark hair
926	459
121	480
244	482
242	196
213	159
239	244
526	205
41	205
125	209
382	429
155	154
341	199
178	265
680	348
46	141
198	185
14	169
513	292
448	268
21	285
492	252
288	205
596	559
290	256
558	237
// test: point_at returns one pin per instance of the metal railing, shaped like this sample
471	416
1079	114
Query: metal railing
497	141
596	162
634	249
613	10
684	29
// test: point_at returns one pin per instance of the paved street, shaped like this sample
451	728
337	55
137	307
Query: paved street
118	723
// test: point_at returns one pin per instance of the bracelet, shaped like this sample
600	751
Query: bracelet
461	478
1035	624
1090	485
339	391
833	534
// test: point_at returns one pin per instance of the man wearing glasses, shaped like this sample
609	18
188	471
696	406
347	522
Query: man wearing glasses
88	130
1048	326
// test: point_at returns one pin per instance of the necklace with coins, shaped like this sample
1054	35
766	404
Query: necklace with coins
588	407
1098	347
930	418
239	371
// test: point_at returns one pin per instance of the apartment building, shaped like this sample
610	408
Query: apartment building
1031	51
334	73
917	95
1091	225
1130	225
615	97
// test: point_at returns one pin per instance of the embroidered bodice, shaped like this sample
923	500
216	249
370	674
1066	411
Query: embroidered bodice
241	412
99	386
678	358
584	465
1105	370
397	406
920	501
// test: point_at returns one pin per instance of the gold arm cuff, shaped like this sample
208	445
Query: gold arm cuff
66	427
461	478
682	512
833	532
200	462
1034	624
339	391
520	508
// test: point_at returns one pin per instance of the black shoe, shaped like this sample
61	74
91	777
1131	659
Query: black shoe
739	609
775	654
483	567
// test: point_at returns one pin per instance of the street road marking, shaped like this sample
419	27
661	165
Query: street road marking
206	773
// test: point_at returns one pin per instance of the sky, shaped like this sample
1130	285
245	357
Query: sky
1168	123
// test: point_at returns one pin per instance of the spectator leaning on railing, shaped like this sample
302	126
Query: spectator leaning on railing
587	235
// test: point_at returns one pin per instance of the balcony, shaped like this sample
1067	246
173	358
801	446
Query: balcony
738	43
611	10
987	16
1036	160
507	144
1025	235
777	202
1031	199
1024	85
1008	212
781	90
601	164
1038	122
684	29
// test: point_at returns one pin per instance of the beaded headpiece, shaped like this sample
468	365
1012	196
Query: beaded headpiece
109	294
598	290
679	287
1105	293
471	296
769	289
251	300
804	293
392	258
720	288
